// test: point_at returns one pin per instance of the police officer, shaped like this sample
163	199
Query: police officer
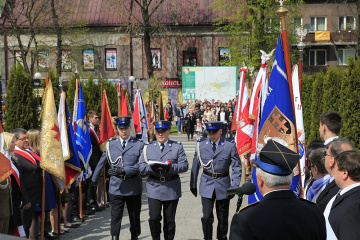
162	160
279	214
215	155
123	155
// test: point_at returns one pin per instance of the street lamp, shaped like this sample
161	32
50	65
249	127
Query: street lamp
132	80
37	84
60	84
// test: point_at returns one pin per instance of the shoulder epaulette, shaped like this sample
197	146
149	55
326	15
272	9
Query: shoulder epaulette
248	206
112	139
202	139
229	140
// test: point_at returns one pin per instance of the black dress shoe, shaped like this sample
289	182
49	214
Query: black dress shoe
50	236
78	219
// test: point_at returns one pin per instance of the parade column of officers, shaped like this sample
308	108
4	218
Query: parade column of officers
331	211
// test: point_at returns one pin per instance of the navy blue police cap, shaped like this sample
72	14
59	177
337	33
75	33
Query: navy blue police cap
123	122
162	125
213	126
277	159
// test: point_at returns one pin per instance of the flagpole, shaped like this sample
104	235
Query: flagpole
119	97
301	32
43	205
104	177
282	12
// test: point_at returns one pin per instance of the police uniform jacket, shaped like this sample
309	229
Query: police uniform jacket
130	162
174	152
226	155
344	216
281	216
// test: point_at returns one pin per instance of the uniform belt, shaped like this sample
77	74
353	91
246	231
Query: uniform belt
163	178
216	175
124	177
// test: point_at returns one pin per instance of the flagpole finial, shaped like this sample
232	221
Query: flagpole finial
282	12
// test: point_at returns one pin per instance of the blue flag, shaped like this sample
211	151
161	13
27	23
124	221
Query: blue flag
277	118
70	155
82	133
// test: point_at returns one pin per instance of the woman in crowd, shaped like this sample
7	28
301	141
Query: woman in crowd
319	174
223	116
50	200
185	112
15	225
179	114
5	198
190	125
208	113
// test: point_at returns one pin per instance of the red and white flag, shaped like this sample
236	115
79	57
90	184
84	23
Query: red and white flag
244	130
139	117
257	97
300	131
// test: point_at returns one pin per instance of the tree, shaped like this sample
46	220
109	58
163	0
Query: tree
21	105
332	86
350	103
307	84
252	26
316	106
25	17
146	18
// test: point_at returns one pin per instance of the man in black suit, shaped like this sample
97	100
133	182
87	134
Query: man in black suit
30	181
344	215
94	160
279	215
330	125
329	129
336	147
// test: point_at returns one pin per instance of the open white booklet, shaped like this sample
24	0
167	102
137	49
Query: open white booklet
157	162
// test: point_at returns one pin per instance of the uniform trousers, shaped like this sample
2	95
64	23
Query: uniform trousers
222	213
133	204
169	211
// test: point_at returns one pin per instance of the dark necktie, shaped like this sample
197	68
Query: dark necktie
214	147
124	143
162	146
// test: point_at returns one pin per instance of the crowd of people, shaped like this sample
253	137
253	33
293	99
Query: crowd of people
191	116
331	211
21	193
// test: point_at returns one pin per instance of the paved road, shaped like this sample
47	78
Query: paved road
188	216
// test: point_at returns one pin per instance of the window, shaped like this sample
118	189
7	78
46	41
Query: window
189	57
272	25
317	58
318	23
347	23
344	55
297	21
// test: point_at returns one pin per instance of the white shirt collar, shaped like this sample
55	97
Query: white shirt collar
126	140
165	143
348	188
330	139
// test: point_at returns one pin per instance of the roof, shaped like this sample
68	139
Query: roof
116	13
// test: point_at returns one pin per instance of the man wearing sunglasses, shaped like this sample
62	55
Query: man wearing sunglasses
162	160
215	155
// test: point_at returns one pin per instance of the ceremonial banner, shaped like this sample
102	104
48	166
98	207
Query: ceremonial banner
255	102
161	107
244	129
5	169
82	134
139	117
300	132
70	155
50	148
277	120
107	129
124	107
